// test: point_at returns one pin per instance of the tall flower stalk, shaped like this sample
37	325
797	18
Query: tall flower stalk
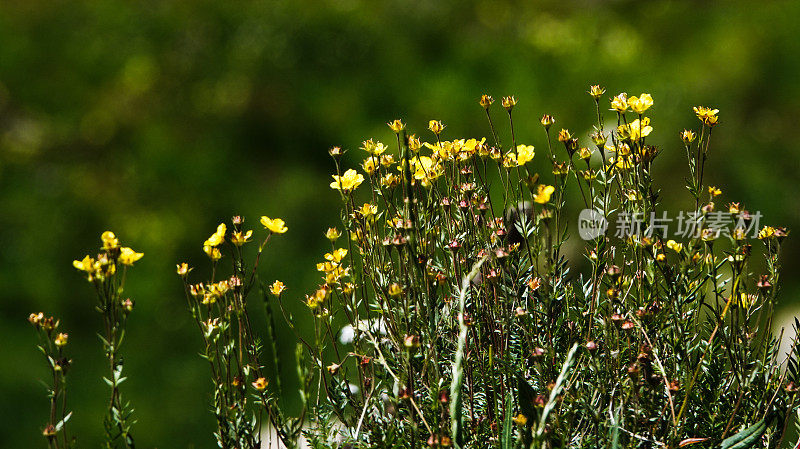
107	273
52	344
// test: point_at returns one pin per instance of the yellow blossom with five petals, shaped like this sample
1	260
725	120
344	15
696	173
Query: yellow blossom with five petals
543	193
277	288
347	182
275	225
110	241
218	237
128	256
639	129
86	264
641	103
524	154
239	238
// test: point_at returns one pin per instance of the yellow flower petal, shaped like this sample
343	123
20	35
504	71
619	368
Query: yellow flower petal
276	225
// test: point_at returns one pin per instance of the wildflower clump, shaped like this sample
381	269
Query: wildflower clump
244	400
107	272
52	345
456	314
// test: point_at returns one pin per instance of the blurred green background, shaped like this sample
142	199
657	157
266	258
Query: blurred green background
159	119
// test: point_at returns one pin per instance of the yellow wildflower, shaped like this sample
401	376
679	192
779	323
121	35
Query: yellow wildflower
36	318
347	182
703	113
390	180
596	91
641	103
713	191
86	264
110	241
368	210
560	169
510	160
547	121
373	148
520	420
218	237
414	143
183	269
624	163
472	145
767	232
425	169
543	193
524	154
277	288
387	160
102	268
509	103
675	246
333	234
321	294
599	139
260	384
239	238
333	276
633	195
486	101
396	126
212	252
395	290
61	340
276	225
436	127
127	256
326	266
639	129
369	165
337	255
620	103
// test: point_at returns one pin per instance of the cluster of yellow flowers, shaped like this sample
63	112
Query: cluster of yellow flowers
315	300
347	182
238	237
211	293
332	266
105	264
428	168
707	115
621	103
